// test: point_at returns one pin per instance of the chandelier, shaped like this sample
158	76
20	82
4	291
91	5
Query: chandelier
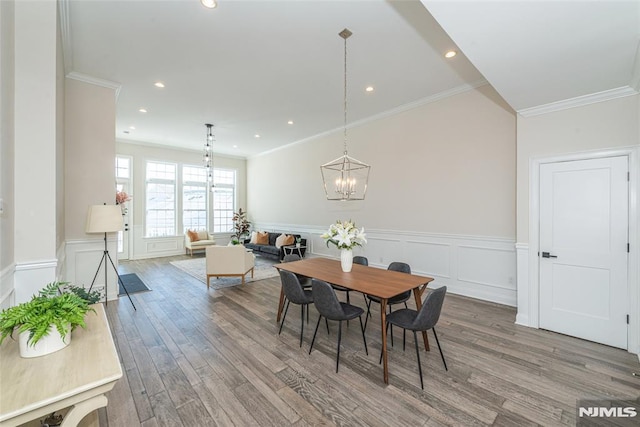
208	155
345	178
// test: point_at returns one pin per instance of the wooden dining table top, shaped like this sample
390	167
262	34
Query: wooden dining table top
378	282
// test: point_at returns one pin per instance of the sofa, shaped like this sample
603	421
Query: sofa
270	250
196	240
225	261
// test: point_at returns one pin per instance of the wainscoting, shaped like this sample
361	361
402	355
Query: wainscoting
478	267
82	260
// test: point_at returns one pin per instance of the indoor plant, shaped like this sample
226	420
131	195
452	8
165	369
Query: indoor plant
240	227
45	322
346	236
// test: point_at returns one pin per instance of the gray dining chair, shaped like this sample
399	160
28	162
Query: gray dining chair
327	304
397	299
304	280
422	320
297	295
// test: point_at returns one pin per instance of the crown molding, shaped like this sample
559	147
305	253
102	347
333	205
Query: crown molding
402	108
95	81
65	32
578	101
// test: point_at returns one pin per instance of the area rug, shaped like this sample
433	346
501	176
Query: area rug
196	268
133	284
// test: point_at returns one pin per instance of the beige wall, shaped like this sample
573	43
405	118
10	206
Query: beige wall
446	167
90	151
60	128
603	125
7	157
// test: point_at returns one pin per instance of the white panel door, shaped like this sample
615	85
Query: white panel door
584	219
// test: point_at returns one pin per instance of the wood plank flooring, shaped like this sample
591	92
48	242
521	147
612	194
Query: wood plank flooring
198	357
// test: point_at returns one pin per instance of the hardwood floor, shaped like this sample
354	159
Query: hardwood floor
193	357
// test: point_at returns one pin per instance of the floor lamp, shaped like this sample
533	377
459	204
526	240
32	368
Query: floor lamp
106	219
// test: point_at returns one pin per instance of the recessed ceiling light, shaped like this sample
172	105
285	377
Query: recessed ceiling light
132	127
290	122
143	110
235	146
210	4
158	84
450	54
369	89
256	135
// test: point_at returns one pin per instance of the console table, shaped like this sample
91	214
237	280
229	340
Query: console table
76	377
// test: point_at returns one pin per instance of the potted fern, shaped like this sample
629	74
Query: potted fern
44	323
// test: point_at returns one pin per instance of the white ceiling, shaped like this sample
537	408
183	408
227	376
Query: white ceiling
250	66
536	52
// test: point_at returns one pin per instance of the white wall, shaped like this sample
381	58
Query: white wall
7	156
35	133
149	247
441	191
601	127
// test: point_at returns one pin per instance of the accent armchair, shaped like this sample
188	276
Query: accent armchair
223	261
196	240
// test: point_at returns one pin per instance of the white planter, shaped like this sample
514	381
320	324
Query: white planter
48	344
346	260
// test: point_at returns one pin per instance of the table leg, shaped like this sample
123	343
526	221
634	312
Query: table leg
280	305
383	320
417	293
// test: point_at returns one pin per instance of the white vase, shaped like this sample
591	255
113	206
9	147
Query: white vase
48	344
346	260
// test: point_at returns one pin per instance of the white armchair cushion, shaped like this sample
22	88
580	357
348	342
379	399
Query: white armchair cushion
229	261
205	239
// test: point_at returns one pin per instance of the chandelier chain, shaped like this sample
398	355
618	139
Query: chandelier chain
345	95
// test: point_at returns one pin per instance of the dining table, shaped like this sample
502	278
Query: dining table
373	281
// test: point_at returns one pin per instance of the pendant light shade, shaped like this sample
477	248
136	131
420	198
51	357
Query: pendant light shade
345	178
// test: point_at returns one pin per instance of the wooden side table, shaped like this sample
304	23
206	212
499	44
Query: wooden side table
76	377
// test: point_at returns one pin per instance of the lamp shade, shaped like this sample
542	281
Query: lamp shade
104	219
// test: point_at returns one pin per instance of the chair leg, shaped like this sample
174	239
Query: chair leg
339	339
415	339
301	323
327	323
368	315
284	317
363	338
314	334
441	355
404	338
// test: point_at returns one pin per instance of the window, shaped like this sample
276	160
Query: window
123	167
194	198
160	199
223	200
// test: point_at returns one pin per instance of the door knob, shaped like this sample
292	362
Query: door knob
548	255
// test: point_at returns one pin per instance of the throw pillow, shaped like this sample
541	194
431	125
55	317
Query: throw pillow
203	235
280	240
254	237
290	240
193	236
263	238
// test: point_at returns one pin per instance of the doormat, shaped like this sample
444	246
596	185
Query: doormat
133	284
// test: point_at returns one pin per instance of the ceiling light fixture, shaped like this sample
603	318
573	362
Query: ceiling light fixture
208	155
450	54
143	110
369	89
345	178
256	135
290	122
209	4
159	84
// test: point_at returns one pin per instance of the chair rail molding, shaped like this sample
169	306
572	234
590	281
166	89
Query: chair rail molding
480	267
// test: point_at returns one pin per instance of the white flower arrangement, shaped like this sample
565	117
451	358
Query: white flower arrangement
345	235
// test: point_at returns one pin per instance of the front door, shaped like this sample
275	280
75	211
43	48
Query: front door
123	236
584	219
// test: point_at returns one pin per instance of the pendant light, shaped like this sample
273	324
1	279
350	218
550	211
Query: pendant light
208	155
345	178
